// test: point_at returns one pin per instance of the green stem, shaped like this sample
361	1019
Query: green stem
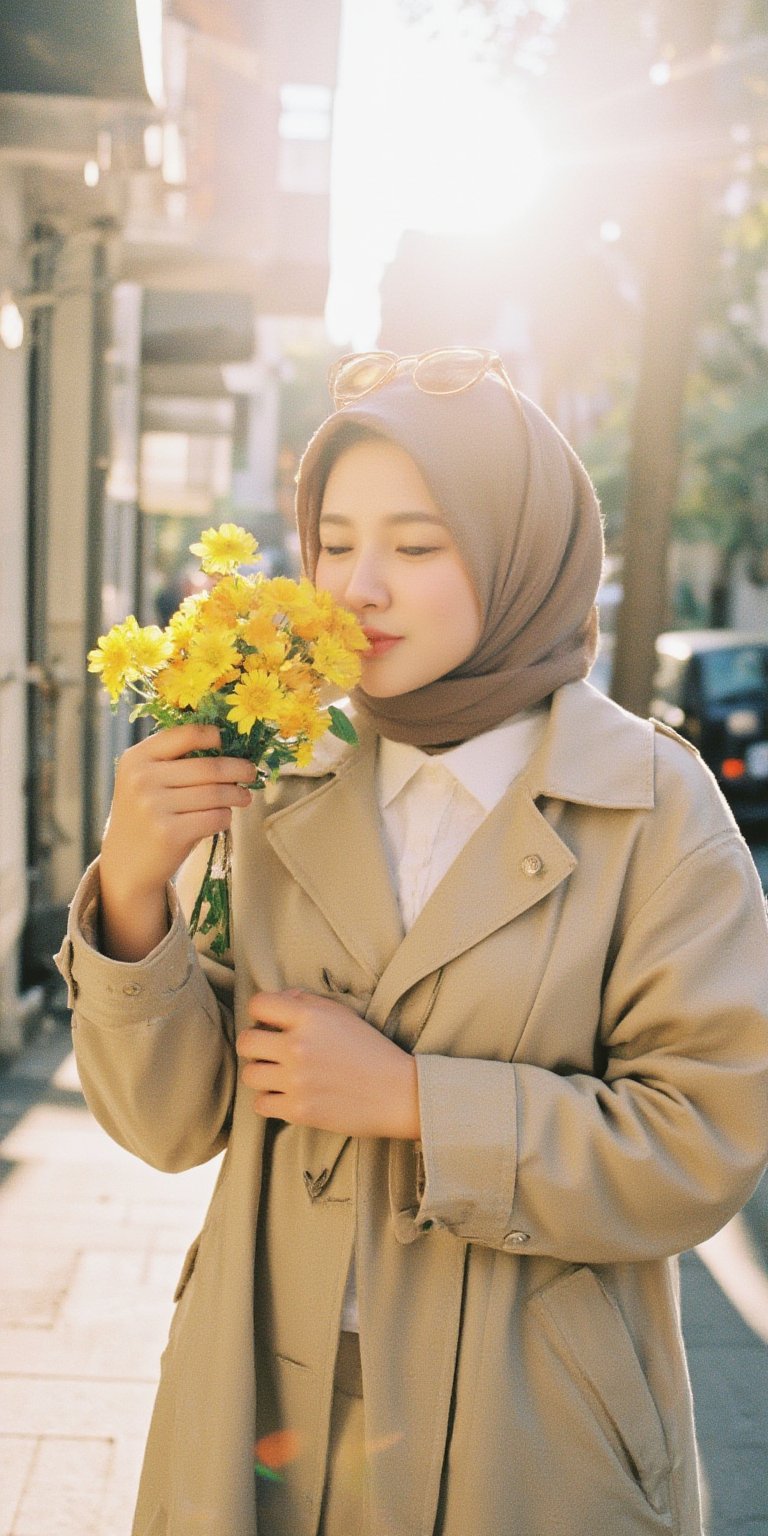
194	920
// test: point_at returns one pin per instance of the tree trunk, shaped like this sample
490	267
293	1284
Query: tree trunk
672	282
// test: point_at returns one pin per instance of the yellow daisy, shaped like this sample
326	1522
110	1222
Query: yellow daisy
223	549
295	716
306	749
299	677
319	725
279	594
258	629
113	659
333	661
183	683
188	617
308	616
255	697
273	654
230	600
151	648
346	628
216	649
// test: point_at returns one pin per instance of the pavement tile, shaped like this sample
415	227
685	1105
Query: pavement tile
120	1493
54	1124
128	1352
44	1406
91	1243
32	1290
65	1488
105	1286
16	1456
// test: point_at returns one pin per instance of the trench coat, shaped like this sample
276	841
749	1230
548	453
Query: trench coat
586	997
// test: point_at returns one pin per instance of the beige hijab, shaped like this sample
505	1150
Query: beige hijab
525	516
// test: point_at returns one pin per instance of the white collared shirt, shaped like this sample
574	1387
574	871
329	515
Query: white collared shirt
429	807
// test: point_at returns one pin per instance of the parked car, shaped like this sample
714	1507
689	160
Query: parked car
711	685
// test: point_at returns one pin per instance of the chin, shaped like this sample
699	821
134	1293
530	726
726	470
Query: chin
382	691
379	689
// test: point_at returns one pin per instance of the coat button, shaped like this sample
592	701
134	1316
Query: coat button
516	1239
131	989
531	864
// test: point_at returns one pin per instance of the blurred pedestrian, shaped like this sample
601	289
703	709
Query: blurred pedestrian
168	596
492	1047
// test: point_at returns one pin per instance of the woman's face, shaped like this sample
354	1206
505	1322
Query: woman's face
386	553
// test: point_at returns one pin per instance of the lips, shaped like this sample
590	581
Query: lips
379	641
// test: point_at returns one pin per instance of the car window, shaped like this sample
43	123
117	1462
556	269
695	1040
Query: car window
738	670
668	682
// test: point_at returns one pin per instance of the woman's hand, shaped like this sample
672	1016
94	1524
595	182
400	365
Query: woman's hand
313	1062
164	803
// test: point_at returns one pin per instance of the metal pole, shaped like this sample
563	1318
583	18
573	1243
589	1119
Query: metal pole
38	808
99	464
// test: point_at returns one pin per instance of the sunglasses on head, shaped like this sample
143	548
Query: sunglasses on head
447	371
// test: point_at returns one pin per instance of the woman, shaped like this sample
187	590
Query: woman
493	1046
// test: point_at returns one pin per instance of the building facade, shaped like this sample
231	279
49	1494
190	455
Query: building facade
164	207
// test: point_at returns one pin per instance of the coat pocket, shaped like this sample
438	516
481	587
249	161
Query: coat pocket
587	1331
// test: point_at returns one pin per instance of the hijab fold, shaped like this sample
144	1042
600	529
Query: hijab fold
524	514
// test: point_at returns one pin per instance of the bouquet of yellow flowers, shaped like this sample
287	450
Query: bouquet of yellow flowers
254	656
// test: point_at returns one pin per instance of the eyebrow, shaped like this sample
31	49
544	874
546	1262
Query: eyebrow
392	517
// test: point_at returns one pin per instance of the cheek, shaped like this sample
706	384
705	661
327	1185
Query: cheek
324	576
451	603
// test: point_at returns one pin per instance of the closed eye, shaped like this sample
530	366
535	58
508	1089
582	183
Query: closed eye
419	549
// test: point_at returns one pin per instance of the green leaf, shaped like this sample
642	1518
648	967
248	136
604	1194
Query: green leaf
342	727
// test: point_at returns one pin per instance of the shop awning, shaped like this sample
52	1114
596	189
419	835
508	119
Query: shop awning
71	48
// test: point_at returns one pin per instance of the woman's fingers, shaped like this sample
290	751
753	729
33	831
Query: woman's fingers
265	1045
186	771
178	740
181	801
165	802
207	824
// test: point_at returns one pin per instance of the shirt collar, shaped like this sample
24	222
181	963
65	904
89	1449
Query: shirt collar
485	765
592	752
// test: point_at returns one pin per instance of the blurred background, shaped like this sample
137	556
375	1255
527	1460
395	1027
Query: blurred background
204	202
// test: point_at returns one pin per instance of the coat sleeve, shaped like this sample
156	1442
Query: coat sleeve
154	1039
658	1152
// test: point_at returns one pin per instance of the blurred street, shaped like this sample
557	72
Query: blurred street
91	1242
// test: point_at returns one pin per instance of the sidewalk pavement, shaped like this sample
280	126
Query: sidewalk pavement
91	1242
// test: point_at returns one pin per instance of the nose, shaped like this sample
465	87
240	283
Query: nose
366	585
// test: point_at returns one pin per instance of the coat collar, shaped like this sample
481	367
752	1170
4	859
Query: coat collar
594	753
330	840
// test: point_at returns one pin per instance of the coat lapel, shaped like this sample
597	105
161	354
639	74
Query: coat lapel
512	861
330	842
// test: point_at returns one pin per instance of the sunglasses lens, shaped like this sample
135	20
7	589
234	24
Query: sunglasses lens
359	375
449	371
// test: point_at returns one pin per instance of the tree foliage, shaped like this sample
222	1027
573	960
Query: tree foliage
587	302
